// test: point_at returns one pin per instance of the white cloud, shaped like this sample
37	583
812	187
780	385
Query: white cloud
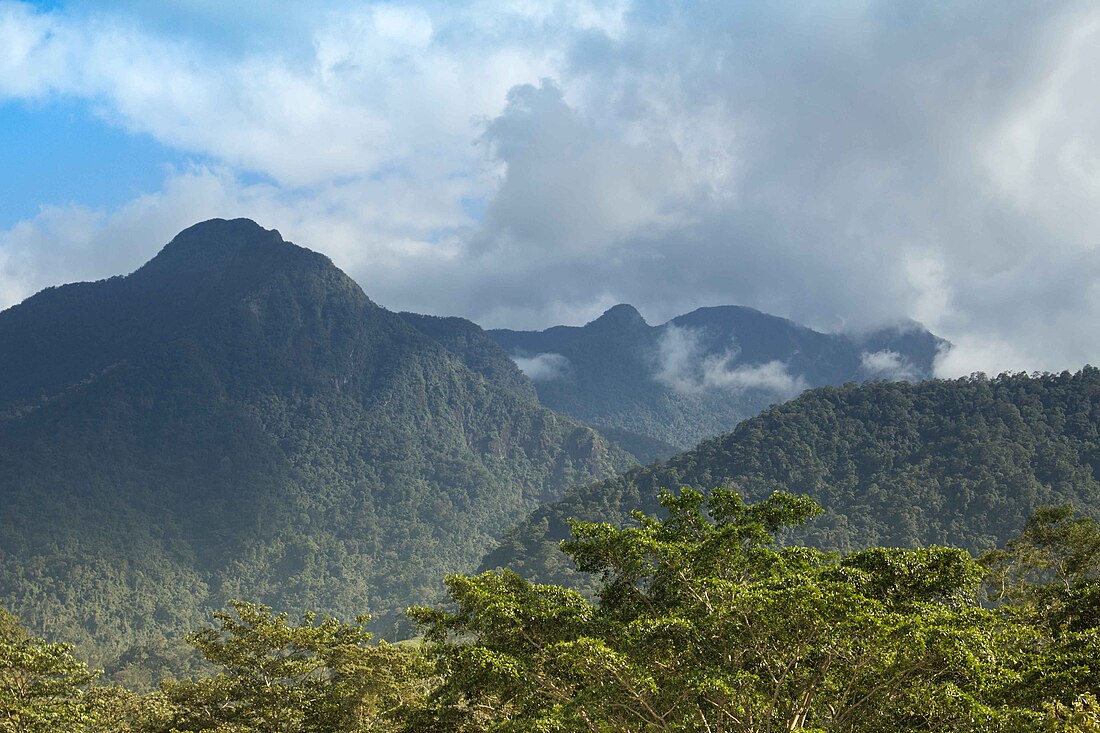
682	364
545	367
679	354
376	92
568	187
381	232
720	372
976	353
887	364
834	164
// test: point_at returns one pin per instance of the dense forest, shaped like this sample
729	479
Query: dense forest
702	373
701	623
961	462
236	419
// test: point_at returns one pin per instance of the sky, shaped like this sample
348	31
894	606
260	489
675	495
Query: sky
523	164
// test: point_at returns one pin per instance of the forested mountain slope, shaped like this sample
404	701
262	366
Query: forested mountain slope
703	372
236	419
961	462
477	350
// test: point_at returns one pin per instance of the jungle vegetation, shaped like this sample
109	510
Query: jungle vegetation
236	419
701	622
950	462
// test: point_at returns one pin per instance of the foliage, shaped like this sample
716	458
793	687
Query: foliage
1051	574
42	685
704	624
962	462
1081	716
237	419
1054	561
319	676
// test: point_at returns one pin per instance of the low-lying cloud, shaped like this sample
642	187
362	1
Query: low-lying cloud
543	367
682	364
887	364
773	376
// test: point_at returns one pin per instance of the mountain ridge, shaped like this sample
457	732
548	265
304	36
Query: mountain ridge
237	419
958	462
702	372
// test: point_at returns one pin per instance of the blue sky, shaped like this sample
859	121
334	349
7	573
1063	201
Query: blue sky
523	163
63	155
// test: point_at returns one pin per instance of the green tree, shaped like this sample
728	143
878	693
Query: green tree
1050	576
318	676
42	685
702	624
1053	567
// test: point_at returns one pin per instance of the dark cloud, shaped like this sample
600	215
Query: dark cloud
841	166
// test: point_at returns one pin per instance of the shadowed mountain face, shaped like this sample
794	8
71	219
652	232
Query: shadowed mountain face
236	419
961	462
701	373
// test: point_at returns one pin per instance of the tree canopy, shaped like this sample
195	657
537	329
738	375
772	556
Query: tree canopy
702	623
963	462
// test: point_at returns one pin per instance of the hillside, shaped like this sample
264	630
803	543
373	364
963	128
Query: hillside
961	462
701	373
236	419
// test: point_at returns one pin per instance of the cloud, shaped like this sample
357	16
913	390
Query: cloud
379	231
369	89
679	356
887	364
524	164
683	365
570	187
772	376
835	170
543	367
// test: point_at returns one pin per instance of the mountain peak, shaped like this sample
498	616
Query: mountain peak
725	316
222	236
620	316
226	227
215	247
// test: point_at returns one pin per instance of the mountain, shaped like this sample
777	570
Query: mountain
961	462
236	419
700	374
474	347
478	351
